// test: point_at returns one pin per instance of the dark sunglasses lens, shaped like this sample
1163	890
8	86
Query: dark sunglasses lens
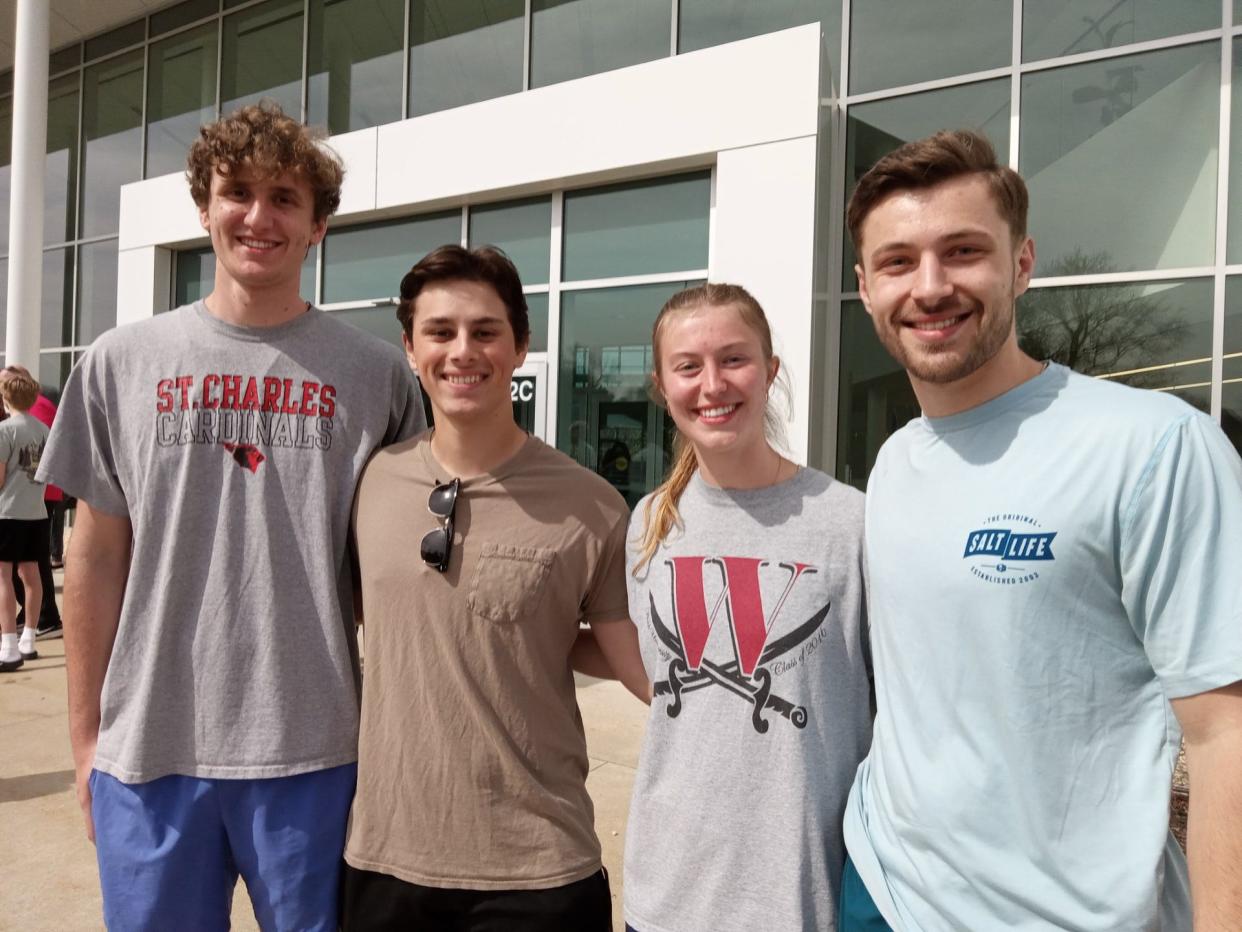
435	548
442	499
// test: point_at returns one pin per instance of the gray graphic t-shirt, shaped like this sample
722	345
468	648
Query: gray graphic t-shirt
752	631
234	453
21	446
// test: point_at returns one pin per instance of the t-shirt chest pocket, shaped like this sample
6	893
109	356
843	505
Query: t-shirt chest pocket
508	582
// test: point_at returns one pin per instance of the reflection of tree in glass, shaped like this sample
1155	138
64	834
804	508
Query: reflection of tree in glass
1099	329
1118	96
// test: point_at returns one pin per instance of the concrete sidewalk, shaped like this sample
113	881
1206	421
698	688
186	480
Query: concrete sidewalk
50	882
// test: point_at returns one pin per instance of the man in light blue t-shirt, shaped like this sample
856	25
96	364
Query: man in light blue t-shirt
1054	597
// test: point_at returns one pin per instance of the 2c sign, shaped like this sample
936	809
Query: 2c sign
522	389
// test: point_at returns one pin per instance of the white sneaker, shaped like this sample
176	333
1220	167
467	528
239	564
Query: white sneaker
10	656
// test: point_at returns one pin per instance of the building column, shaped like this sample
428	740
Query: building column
30	43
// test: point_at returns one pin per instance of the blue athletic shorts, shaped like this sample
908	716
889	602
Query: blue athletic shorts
858	911
170	850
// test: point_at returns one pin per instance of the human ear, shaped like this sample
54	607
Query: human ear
1024	263
863	291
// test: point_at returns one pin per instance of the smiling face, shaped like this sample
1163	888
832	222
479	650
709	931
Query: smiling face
714	374
939	276
260	229
463	348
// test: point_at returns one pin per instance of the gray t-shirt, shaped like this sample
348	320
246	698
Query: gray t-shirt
751	623
21	445
234	453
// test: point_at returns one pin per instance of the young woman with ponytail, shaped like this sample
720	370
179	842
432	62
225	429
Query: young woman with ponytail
746	584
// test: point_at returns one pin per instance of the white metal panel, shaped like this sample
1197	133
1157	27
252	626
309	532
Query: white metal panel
357	151
159	211
662	114
765	241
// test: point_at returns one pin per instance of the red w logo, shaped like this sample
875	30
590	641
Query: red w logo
740	595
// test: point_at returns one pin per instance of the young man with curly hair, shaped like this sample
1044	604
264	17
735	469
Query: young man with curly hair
209	632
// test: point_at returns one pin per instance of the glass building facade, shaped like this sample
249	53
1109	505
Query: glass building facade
1123	115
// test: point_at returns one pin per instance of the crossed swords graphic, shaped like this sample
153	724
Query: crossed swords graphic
755	689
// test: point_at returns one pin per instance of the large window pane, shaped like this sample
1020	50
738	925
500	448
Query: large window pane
194	276
537	312
574	38
6	160
57	303
181	96
182	14
1052	28
60	171
523	229
132	33
369	261
1154	335
96	291
704	23
1231	395
606	420
1120	158
462	51
1234	251
637	229
875	396
112	139
354	61
896	42
262	57
875	129
378	321
54	371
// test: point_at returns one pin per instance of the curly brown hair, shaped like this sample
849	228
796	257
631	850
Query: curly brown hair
261	138
18	388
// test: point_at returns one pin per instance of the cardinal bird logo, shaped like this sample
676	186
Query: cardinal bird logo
246	455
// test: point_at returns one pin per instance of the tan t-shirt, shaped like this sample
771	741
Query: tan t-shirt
472	759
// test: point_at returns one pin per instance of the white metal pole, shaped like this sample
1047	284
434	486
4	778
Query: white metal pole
26	184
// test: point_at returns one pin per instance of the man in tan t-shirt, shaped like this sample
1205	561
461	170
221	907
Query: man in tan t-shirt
480	551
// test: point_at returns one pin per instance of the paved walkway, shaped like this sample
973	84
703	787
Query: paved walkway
50	881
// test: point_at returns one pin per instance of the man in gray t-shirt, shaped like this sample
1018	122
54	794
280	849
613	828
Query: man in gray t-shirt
209	635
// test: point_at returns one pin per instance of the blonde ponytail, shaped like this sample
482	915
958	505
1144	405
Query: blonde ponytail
661	513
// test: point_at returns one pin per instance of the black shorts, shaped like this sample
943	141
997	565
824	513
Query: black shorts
371	902
24	541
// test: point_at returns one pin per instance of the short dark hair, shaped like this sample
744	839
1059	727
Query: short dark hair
261	138
926	162
486	264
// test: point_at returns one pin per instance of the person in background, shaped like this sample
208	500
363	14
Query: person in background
23	520
49	623
746	584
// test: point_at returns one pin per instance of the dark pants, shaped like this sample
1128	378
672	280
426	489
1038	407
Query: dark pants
49	612
858	911
373	902
56	511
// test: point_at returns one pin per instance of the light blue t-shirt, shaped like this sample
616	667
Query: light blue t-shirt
1047	571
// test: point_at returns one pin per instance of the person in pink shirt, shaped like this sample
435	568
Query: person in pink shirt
49	623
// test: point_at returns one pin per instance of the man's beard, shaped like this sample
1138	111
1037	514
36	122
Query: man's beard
942	365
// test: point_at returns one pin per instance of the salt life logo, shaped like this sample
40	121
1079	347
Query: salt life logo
1007	548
